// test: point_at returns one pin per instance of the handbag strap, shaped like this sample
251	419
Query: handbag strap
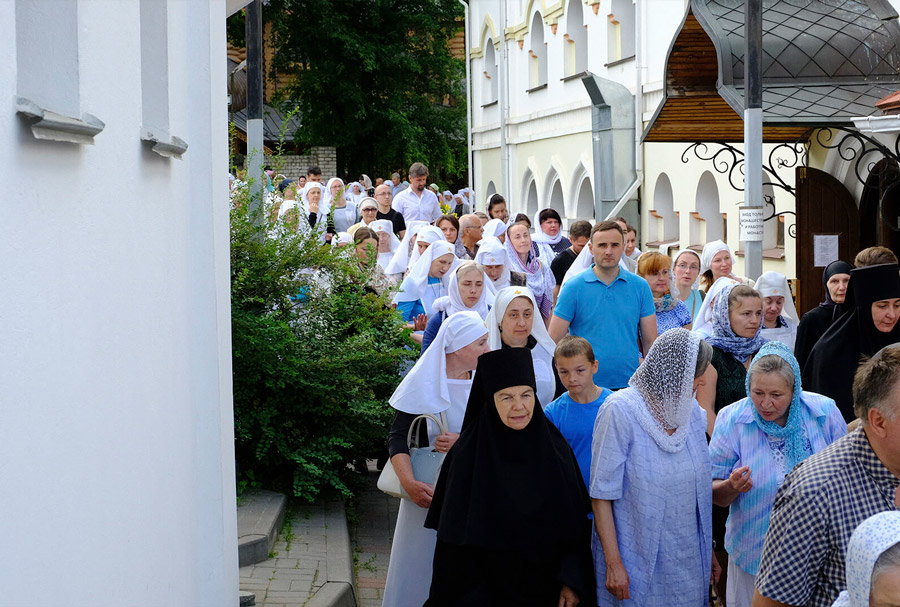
441	423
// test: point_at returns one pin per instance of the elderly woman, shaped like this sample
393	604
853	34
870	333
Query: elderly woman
716	262
817	321
671	312
492	256
686	270
873	563
548	235
466	292
538	275
780	317
365	242
510	507
756	442
865	328
345	214
511	324
650	486
438	384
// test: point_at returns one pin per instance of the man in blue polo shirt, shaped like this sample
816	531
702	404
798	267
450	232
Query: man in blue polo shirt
606	305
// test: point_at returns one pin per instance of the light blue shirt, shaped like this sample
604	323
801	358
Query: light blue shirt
739	441
608	316
662	508
575	421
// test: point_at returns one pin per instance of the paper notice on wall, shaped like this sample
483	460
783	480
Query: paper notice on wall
751	224
825	249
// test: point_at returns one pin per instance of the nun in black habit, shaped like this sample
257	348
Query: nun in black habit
510	507
818	320
868	324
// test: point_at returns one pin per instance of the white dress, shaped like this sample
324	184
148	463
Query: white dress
786	334
412	551
543	375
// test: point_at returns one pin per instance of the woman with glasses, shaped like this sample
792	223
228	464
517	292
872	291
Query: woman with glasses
686	271
671	312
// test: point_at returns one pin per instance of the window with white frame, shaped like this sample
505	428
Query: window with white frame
620	30
537	54
489	91
575	47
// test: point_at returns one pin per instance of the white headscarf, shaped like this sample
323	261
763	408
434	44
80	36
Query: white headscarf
429	234
350	196
400	261
342	238
328	197
495	318
424	389
582	262
869	541
703	323
773	284
710	250
303	208
540	236
491	252
695	254
494	227
385	226
452	303
444	194
414	284
661	391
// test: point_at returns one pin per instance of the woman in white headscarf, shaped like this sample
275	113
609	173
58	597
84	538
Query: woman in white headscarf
514	322
873	563
400	262
703	321
467	292
686	269
538	276
388	243
345	212
312	211
780	318
717	261
496	228
426	236
548	235
428	280
492	257
355	193
650	471
439	384
460	204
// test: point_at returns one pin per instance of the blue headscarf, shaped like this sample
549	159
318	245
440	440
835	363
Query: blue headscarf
724	337
794	444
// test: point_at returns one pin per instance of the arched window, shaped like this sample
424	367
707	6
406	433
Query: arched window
585	206
531	200
491	190
620	30
537	54
664	211
708	222
576	39
489	92
557	203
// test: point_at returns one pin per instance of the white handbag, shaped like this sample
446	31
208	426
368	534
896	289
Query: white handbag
426	462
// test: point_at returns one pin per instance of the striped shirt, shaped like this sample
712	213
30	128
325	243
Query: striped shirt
816	510
739	441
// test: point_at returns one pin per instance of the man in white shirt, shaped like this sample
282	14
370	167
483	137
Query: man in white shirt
416	202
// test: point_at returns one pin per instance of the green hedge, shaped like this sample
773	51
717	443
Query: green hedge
312	373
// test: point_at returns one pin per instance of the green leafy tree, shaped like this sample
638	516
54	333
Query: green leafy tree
376	80
316	356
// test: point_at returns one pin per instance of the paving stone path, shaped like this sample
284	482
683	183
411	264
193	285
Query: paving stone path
372	536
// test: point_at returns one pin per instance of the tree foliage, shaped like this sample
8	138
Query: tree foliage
315	359
372	79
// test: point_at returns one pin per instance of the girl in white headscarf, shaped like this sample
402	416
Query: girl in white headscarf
514	322
345	212
388	243
438	384
467	292
717	261
355	193
496	228
651	471
548	235
428	280
872	552
780	318
400	262
426	236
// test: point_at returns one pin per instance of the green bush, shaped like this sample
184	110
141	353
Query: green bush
315	359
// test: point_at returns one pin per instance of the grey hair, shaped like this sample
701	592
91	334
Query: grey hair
704	357
397	175
772	363
875	382
889	559
418	170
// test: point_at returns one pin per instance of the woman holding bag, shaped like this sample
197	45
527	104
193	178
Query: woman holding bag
439	383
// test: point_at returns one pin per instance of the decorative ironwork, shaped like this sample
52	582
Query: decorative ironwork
855	147
770	201
728	160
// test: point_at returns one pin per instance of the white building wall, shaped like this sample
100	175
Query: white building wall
115	382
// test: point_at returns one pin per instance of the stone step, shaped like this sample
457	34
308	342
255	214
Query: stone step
259	517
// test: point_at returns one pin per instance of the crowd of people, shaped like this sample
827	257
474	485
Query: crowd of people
625	428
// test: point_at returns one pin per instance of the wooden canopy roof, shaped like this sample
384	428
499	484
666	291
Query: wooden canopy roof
822	65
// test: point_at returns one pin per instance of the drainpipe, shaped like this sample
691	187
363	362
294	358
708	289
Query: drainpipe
638	89
504	107
469	103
